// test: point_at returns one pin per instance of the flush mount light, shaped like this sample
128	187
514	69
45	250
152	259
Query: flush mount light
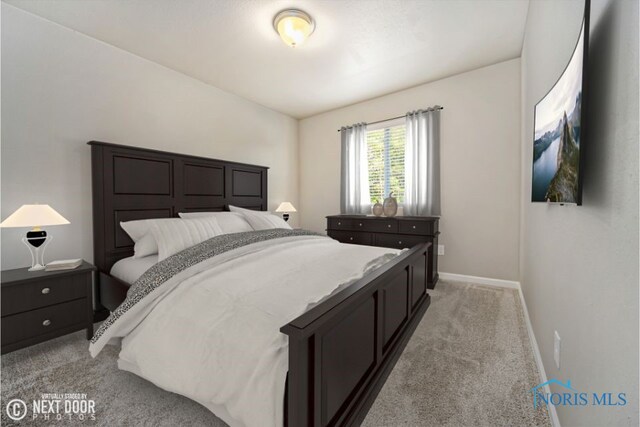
294	26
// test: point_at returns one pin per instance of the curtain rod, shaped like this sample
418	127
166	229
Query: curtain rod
437	107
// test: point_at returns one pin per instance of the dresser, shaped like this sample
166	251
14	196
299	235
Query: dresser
396	232
40	305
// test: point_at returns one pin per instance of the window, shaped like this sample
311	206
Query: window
385	155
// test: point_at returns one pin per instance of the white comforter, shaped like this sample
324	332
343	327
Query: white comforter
211	333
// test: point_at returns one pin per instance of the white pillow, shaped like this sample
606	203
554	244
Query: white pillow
138	228
179	234
145	246
261	220
229	222
139	231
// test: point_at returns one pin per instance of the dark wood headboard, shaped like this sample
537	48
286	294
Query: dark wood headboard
132	183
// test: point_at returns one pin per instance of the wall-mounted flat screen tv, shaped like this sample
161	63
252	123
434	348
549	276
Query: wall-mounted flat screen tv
559	132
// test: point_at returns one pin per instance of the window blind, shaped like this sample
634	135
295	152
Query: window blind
385	155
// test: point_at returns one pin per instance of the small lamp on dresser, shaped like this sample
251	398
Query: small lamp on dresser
285	208
36	240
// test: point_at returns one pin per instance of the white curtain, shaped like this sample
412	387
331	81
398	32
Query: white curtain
354	191
422	163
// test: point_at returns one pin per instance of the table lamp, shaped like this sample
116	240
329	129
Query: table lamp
285	208
34	217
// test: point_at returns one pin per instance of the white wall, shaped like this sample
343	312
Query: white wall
61	89
479	164
579	265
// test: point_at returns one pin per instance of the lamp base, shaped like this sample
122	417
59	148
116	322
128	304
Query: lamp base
285	216
36	241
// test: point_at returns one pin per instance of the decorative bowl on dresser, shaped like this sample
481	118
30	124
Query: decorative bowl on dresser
390	232
40	305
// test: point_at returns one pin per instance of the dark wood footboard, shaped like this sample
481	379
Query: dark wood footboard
342	351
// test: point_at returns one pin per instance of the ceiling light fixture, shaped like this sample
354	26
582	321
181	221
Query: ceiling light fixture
294	26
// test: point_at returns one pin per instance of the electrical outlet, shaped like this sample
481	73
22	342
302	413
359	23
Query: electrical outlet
440	250
556	348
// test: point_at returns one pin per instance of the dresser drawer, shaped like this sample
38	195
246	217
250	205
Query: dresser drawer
41	293
352	237
360	224
353	224
339	224
398	241
44	321
366	223
417	227
381	225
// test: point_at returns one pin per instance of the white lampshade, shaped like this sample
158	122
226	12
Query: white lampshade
286	207
34	216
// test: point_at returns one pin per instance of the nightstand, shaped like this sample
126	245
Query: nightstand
40	305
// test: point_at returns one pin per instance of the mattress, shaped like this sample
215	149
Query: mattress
130	269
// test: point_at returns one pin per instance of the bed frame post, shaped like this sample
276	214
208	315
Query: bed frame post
342	350
299	402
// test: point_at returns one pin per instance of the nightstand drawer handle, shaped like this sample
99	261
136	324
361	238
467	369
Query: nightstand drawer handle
46	322
400	242
360	224
350	238
46	290
414	227
390	226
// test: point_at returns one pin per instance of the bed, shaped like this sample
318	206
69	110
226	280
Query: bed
342	342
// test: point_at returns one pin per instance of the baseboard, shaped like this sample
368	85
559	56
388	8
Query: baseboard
480	280
555	422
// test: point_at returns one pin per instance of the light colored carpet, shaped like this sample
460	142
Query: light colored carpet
468	363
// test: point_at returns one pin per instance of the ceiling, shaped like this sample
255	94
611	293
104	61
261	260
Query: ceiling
360	49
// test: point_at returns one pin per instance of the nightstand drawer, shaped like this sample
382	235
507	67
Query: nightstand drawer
41	293
44	321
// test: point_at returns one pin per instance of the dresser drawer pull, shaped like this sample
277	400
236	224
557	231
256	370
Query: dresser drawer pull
339	223
350	238
360	224
46	290
46	322
389	226
400	242
414	227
